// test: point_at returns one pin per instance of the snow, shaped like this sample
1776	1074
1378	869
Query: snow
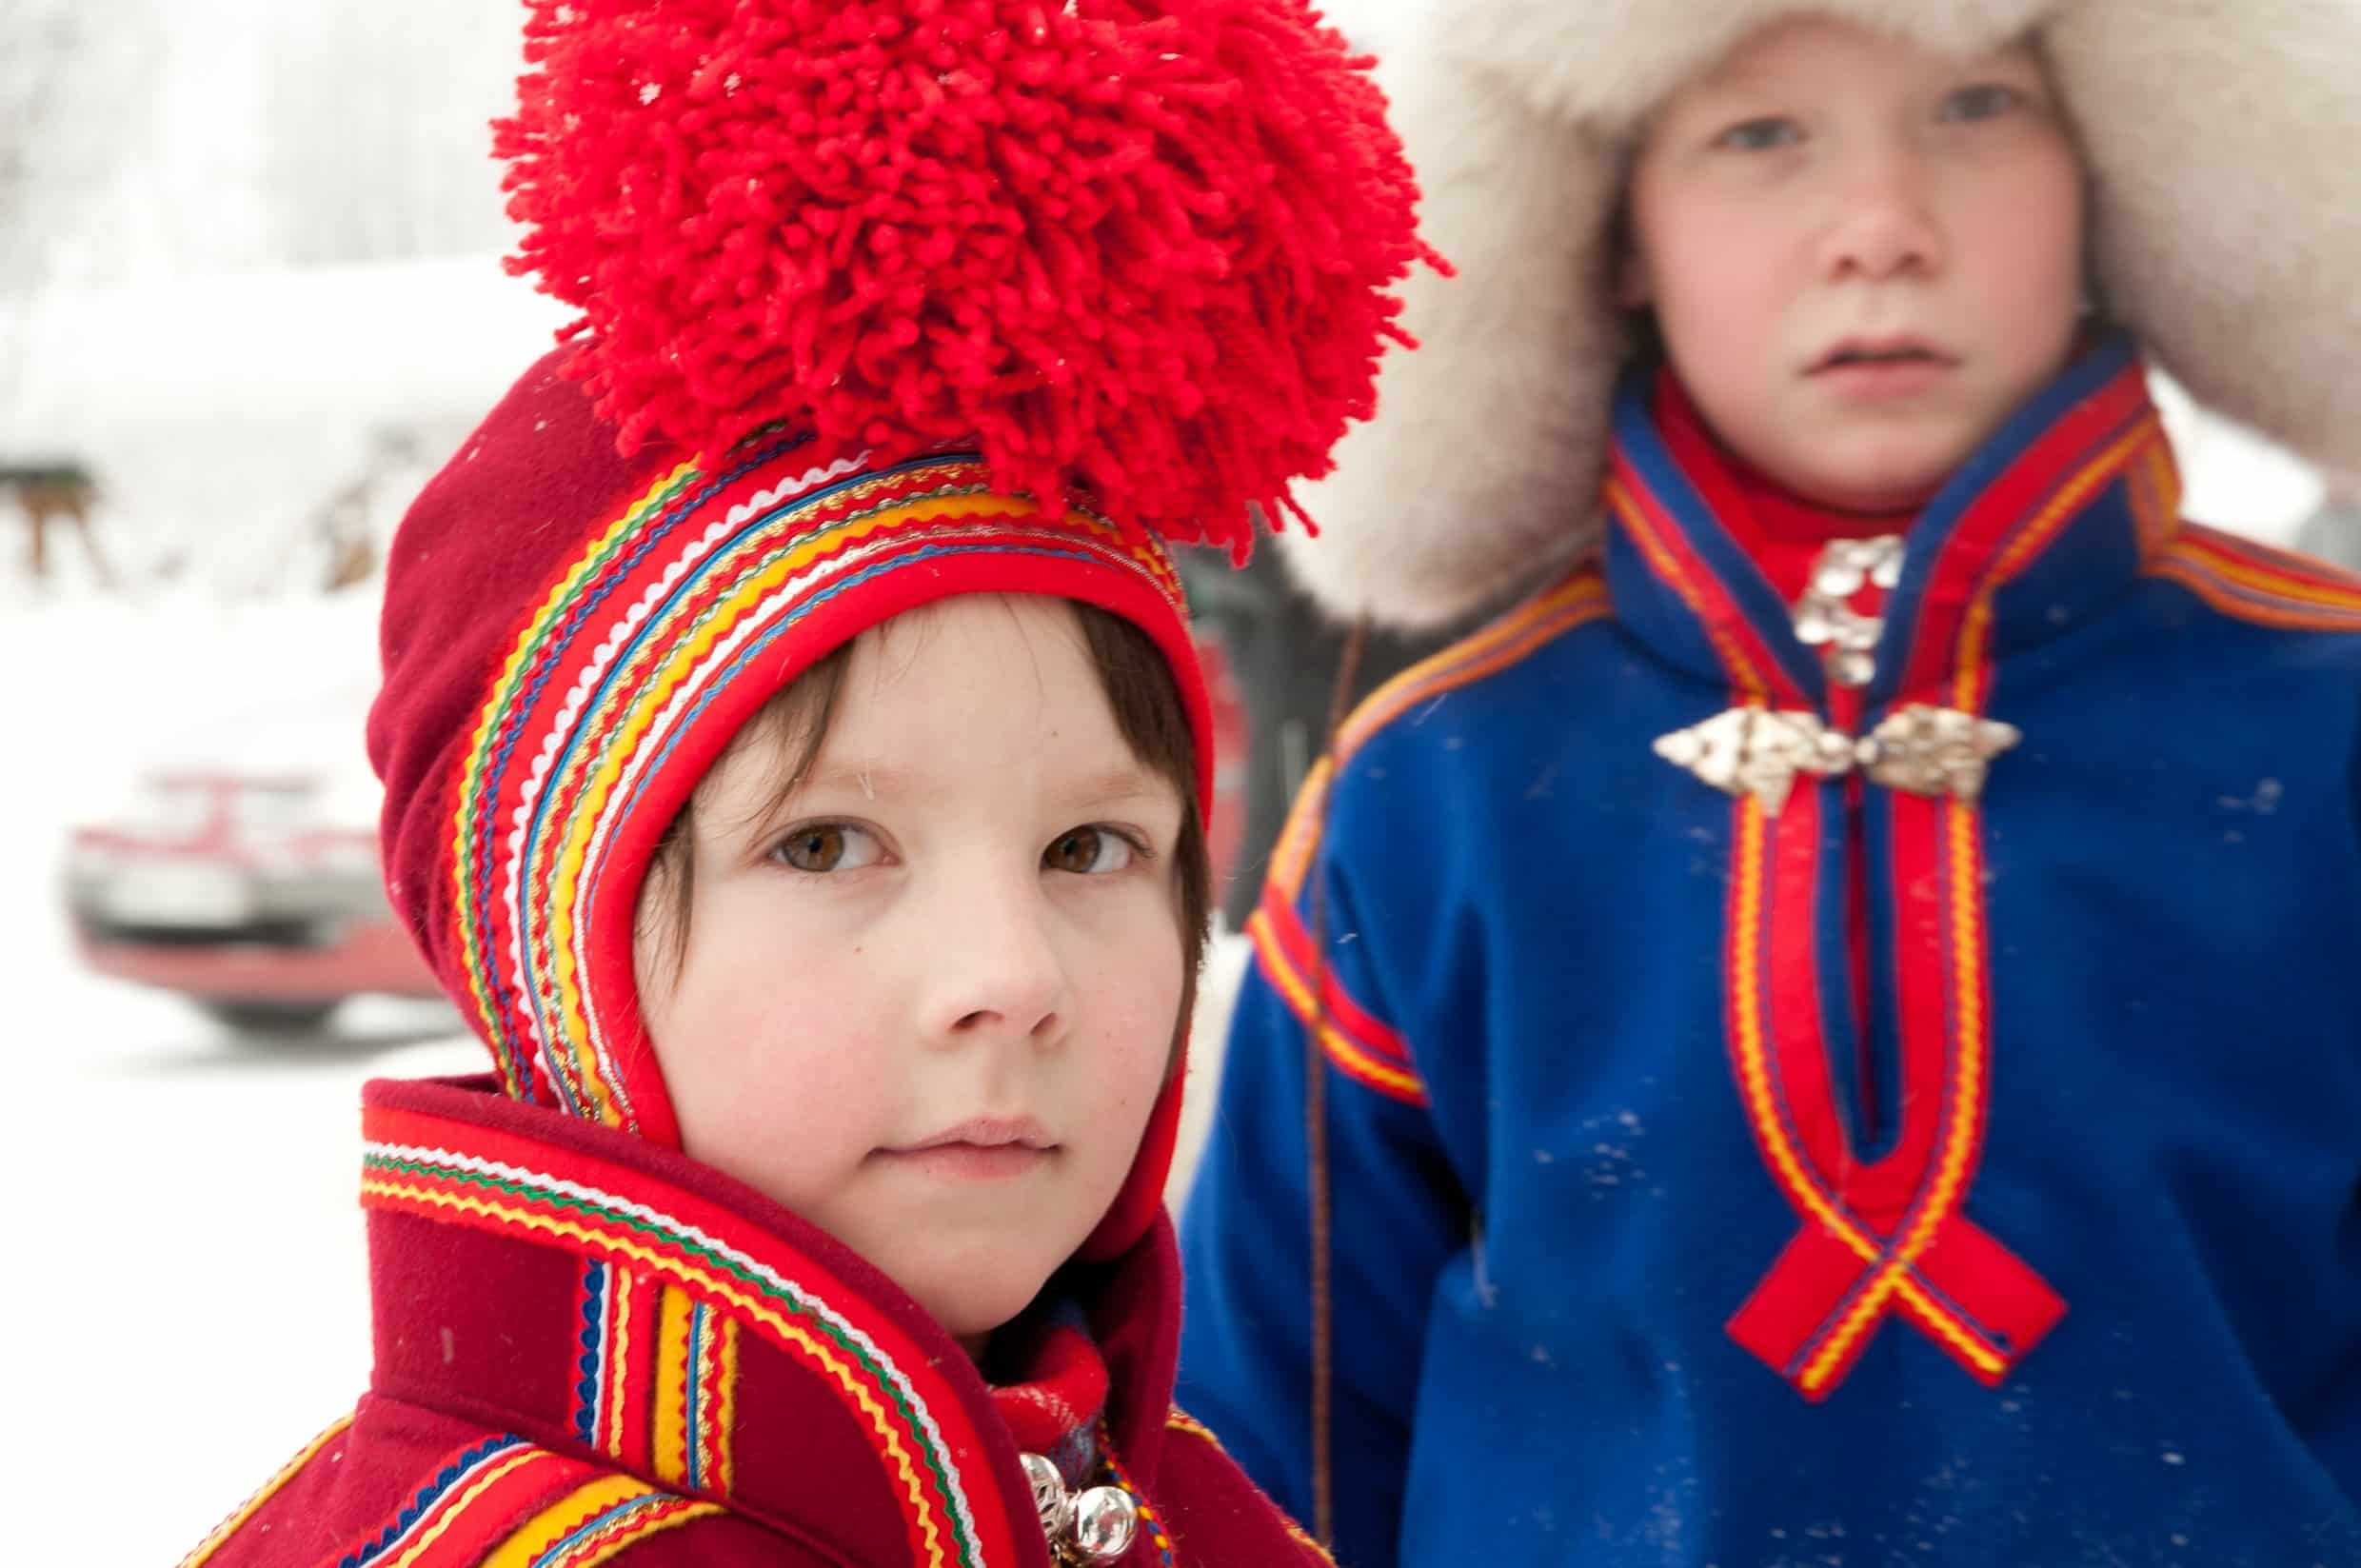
186	1215
221	412
2233	478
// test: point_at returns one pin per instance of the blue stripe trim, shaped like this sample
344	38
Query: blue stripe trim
691	1388
448	1477
591	1526
596	1299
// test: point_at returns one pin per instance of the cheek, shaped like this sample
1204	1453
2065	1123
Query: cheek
754	1054
1713	265
1136	1008
2029	225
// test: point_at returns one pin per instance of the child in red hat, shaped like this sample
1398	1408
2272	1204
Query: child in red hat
796	764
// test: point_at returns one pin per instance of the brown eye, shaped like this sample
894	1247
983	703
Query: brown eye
827	846
1088	851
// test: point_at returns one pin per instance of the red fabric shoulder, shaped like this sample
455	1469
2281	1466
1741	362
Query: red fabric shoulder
1214	1515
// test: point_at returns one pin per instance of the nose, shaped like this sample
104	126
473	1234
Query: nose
994	970
1883	223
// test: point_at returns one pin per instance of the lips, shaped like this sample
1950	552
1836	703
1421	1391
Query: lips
979	1148
1016	1133
984	1148
1881	351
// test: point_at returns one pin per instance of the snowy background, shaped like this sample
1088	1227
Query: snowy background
248	265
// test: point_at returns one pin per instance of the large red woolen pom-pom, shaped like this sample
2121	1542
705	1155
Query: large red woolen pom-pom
1136	252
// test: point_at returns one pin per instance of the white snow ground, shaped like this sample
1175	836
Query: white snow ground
189	1285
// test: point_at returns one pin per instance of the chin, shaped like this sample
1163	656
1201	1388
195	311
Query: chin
972	1295
1886	475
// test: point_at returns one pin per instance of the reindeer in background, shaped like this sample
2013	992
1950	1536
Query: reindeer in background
48	494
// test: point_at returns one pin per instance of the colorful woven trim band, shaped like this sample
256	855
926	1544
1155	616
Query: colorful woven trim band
696	1267
682	595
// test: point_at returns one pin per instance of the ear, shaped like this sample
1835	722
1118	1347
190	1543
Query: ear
1633	286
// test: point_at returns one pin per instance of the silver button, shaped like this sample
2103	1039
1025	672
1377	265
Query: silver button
1105	1521
1050	1499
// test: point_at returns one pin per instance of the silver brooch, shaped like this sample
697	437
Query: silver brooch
1087	1528
1824	616
1921	749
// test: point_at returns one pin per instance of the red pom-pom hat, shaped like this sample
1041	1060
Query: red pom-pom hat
884	304
1138	248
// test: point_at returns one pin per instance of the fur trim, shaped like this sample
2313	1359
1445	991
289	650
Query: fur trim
2227	226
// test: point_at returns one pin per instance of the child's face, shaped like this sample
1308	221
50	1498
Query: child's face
928	999
1863	256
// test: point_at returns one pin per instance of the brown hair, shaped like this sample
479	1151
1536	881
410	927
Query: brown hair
1148	714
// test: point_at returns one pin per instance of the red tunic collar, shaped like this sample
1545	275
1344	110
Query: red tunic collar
598	1295
2039	531
1779	530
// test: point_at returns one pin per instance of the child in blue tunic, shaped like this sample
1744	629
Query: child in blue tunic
1830	1033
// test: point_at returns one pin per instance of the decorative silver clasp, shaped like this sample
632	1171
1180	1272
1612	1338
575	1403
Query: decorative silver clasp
1824	616
1919	750
1088	1528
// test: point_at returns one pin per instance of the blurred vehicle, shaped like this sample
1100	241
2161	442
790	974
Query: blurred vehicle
242	872
250	893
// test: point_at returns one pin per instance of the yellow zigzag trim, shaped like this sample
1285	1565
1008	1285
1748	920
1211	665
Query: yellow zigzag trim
1642	531
1340	1048
1581	598
449	1511
2214	566
603	768
621	1535
879	1421
720	1404
482	959
554	1522
1755	1078
623	1293
532	1541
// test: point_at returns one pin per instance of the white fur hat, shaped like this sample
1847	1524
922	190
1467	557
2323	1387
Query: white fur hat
2224	140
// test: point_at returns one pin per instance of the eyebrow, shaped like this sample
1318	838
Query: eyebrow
867	781
1117	783
1124	783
